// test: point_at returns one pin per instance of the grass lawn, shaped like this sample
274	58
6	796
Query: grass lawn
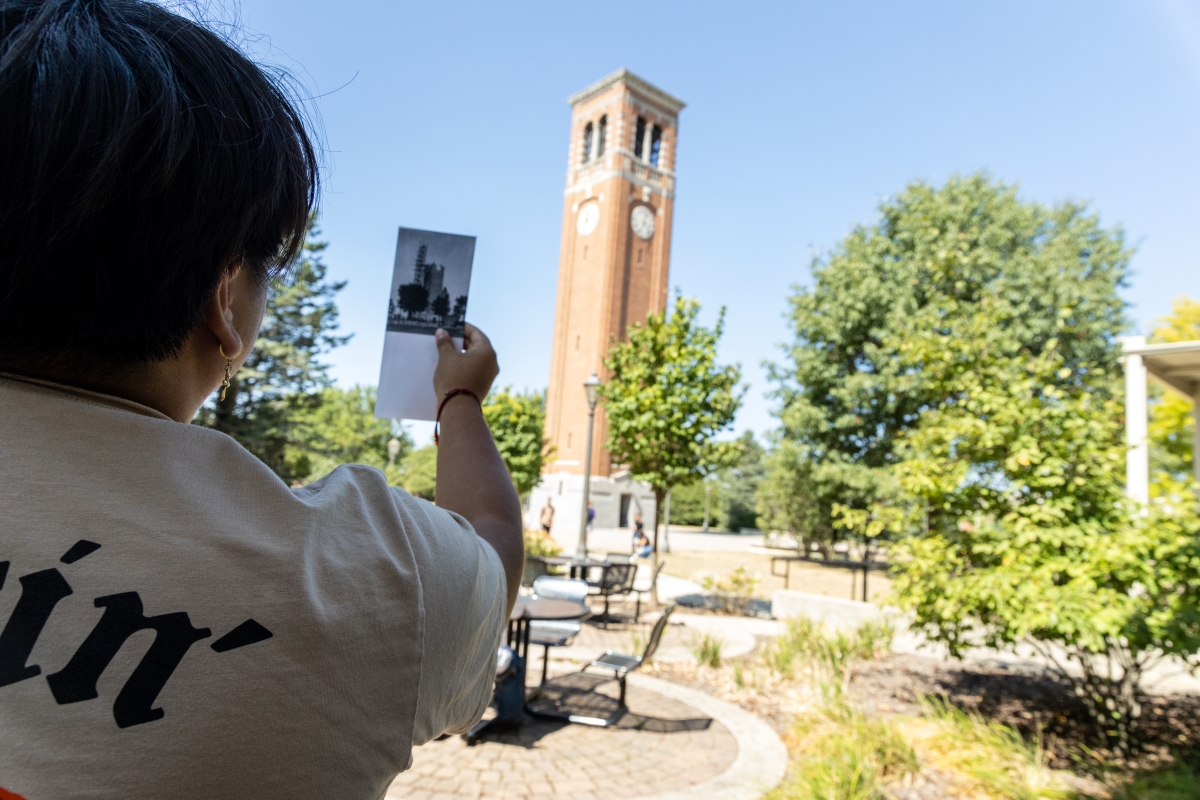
807	577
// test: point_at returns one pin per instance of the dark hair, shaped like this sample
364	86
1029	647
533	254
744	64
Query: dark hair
141	158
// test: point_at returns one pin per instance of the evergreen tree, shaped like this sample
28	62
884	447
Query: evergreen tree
342	429
730	491
740	484
284	376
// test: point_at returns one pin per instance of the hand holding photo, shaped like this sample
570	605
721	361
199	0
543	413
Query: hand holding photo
430	282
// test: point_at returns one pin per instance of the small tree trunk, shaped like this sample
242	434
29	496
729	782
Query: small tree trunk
658	502
667	523
1111	702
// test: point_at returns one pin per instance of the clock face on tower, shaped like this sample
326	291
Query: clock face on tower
642	222
588	219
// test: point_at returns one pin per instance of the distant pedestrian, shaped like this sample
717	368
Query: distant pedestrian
642	548
591	520
641	542
547	517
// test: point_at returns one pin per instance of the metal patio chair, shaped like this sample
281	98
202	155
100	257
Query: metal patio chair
638	591
553	633
615	579
620	664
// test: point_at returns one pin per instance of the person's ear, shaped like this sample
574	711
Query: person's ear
219	318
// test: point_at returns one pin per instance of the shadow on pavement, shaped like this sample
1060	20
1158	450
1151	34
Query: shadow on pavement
578	694
753	608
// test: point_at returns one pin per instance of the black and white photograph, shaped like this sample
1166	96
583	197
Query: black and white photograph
430	281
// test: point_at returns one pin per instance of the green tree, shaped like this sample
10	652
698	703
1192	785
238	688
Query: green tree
789	496
731	492
419	473
687	503
799	491
518	422
931	257
342	429
1020	534
284	376
740	484
1173	416
666	399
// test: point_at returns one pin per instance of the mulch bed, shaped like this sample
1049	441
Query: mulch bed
1030	702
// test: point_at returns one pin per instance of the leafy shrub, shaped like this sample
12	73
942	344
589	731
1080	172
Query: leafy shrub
733	591
539	544
1020	531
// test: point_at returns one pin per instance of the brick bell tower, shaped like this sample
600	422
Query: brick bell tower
613	270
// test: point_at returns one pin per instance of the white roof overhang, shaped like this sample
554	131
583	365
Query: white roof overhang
1176	365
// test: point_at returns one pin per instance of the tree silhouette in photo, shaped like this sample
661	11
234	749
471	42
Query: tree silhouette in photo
413	299
441	305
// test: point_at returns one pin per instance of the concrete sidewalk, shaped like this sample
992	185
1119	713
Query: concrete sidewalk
620	540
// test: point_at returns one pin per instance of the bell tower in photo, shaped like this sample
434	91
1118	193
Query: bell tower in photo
613	270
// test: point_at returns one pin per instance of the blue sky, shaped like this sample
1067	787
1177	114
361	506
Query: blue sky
801	118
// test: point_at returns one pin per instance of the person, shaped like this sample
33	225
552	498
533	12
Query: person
547	517
591	516
177	622
642	548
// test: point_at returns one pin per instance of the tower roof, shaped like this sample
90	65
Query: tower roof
642	86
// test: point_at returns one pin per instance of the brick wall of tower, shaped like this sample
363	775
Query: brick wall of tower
610	278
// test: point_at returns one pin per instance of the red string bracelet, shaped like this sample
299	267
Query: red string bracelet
437	423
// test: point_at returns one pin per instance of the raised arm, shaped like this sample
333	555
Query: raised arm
471	477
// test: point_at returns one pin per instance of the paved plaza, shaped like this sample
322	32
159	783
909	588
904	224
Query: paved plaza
675	743
553	759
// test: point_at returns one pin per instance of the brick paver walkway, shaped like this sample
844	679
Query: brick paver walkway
551	760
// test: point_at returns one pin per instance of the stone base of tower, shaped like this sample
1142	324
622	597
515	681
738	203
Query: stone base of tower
616	500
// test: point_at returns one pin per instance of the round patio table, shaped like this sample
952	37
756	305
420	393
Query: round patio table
576	567
530	609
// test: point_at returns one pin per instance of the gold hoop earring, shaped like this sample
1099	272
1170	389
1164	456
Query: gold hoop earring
228	370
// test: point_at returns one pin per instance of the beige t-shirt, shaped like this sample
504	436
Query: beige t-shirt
177	623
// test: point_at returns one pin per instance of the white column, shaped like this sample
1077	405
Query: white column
1196	433
1137	457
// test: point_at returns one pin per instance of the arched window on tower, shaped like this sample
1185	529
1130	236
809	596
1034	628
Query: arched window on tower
639	135
601	135
587	144
655	145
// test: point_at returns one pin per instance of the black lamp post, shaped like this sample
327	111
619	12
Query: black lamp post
592	387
